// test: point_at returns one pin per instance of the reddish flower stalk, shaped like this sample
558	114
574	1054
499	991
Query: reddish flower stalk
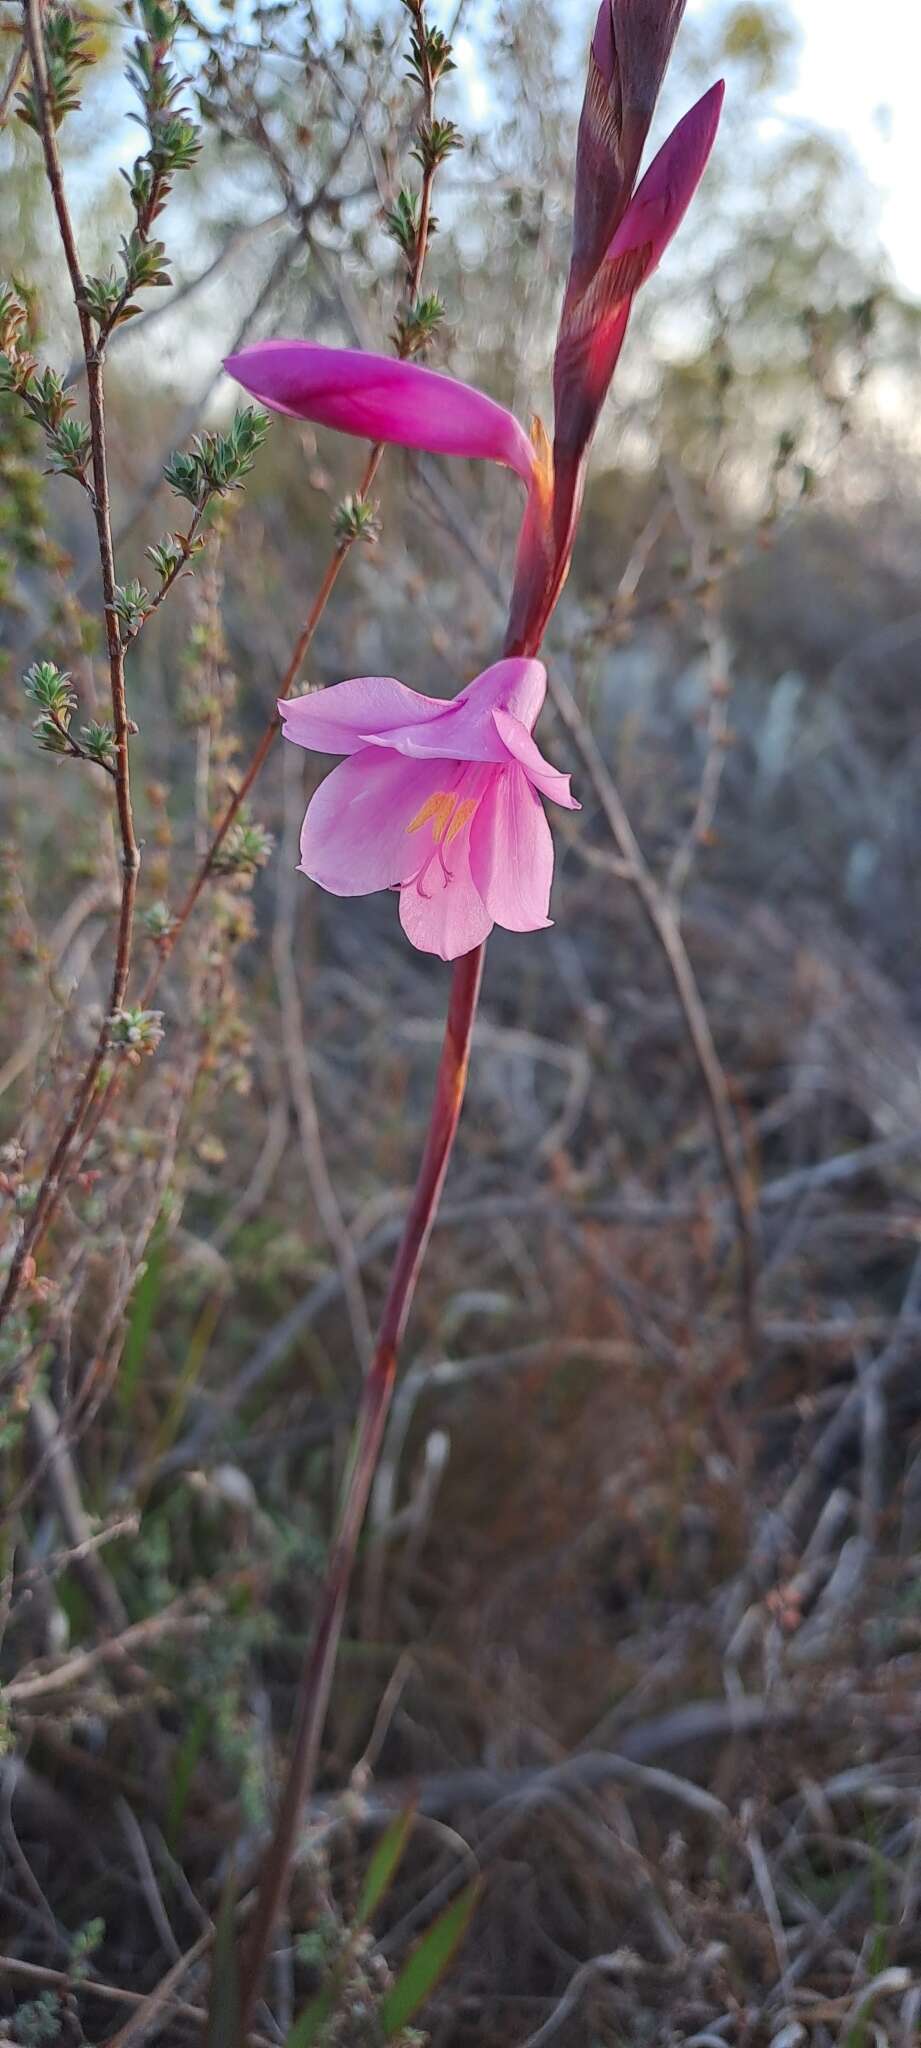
316	1681
619	238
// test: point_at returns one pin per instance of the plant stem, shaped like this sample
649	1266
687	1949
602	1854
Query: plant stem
316	1680
259	757
237	800
12	81
289	679
305	638
49	1190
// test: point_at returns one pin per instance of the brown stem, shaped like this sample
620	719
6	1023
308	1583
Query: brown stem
52	1181
291	674
318	607
428	179
54	1178
316	1680
12	82
298	656
306	635
186	550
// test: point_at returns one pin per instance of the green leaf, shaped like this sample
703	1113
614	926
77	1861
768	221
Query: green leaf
224	2002
190	1750
144	1301
309	2026
428	1962
385	1863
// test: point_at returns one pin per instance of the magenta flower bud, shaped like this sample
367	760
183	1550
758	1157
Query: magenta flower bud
382	399
642	32
631	47
662	199
594	324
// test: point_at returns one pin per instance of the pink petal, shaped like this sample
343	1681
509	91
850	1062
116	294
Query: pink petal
662	198
539	771
382	400
441	909
463	729
356	835
511	854
341	719
449	921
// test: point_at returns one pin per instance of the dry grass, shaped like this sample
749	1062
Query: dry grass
638	1619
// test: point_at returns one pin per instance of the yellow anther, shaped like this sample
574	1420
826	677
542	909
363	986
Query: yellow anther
436	809
459	820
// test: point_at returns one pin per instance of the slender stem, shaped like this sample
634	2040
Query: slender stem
12	81
289	679
316	1681
235	803
319	1666
186	550
330	578
428	179
52	1181
232	810
323	595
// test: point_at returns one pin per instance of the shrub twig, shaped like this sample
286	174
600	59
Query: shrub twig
94	357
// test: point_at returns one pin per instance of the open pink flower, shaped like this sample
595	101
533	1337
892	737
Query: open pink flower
441	800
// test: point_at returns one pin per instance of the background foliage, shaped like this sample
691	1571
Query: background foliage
637	1627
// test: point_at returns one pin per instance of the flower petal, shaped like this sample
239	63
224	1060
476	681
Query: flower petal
539	771
450	921
382	400
356	836
441	910
341	719
511	853
463	729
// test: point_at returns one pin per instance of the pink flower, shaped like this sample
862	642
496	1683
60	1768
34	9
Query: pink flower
382	399
441	800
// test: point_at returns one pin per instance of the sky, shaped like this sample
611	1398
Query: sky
859	74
